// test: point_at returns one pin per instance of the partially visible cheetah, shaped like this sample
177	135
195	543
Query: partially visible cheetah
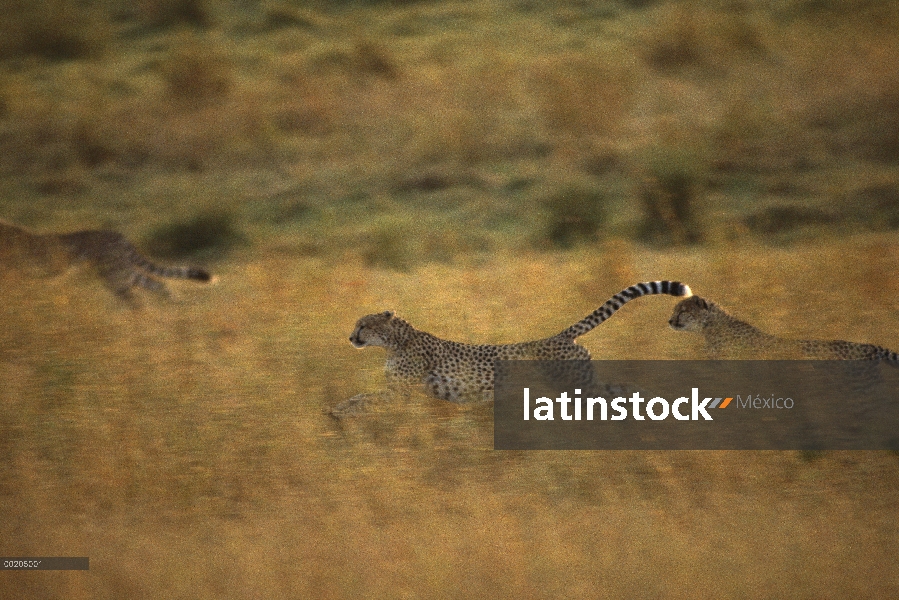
115	259
729	338
462	372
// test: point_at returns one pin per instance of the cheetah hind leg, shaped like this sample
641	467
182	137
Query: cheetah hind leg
122	279
361	404
149	283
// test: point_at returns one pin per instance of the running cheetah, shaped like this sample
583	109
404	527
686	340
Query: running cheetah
729	338
463	372
115	259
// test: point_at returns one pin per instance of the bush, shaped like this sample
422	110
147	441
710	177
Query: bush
575	215
206	234
196	73
167	13
55	29
674	177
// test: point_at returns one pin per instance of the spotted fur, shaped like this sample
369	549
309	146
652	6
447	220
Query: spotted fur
729	338
458	372
119	263
115	259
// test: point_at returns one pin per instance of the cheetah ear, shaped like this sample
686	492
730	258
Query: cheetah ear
388	314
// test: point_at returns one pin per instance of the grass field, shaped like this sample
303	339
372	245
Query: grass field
491	171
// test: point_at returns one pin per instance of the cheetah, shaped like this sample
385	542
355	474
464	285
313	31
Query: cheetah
729	338
115	259
460	372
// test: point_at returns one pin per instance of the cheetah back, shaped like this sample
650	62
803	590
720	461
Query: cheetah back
463	372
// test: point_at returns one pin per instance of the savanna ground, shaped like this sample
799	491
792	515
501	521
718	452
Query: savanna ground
492	171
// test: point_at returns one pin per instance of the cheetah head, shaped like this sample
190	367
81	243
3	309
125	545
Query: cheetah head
372	330
692	314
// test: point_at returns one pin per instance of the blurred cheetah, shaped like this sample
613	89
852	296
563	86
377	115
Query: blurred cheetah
115	259
730	338
460	372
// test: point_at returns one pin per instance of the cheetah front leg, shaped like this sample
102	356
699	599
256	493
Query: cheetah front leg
359	404
372	402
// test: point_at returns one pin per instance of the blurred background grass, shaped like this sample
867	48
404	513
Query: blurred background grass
492	171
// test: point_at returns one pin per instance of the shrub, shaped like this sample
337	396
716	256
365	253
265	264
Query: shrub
575	214
55	29
196	73
673	179
208	233
166	13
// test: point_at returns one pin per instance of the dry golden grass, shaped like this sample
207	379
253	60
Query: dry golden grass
185	449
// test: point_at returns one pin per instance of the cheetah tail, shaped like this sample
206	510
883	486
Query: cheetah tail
647	288
194	273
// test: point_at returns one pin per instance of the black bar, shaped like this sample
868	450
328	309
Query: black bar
44	563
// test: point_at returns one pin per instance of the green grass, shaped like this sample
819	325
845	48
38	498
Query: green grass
663	103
